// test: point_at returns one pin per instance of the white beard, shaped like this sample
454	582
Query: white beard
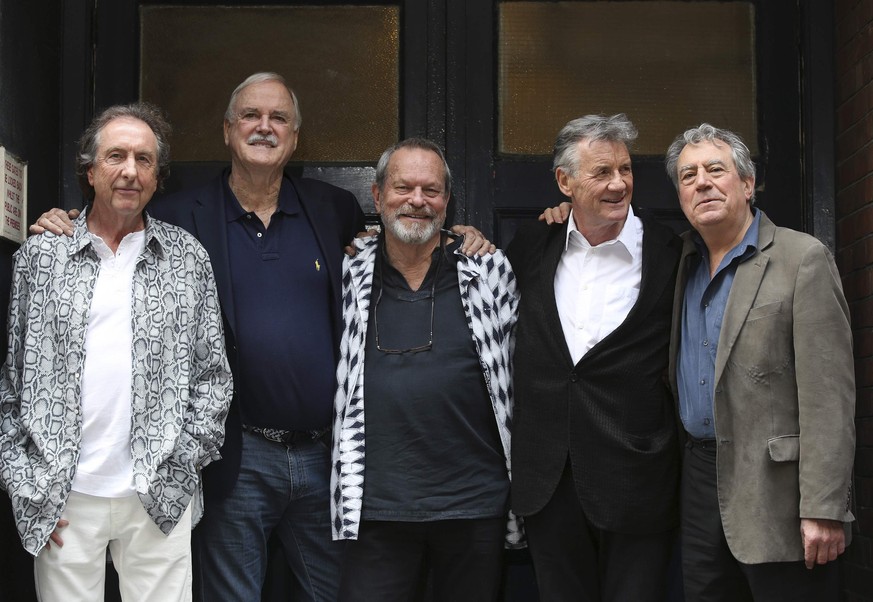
415	233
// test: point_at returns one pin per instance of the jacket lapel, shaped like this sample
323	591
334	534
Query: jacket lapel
324	227
688	249
744	290
552	253
657	270
210	222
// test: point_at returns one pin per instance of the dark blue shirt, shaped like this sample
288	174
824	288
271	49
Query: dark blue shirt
281	293
702	315
433	450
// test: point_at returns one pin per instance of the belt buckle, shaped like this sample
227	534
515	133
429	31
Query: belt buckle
277	435
286	437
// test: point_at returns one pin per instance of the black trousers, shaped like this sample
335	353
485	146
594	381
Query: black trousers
574	560
710	571
390	561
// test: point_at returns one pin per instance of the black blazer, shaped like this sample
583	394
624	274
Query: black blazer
612	413
335	216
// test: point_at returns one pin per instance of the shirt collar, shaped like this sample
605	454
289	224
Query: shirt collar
155	237
289	203
630	237
441	253
452	246
743	249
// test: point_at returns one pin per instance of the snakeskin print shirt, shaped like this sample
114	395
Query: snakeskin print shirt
182	384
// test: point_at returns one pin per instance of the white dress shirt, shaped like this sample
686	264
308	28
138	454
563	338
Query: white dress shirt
595	287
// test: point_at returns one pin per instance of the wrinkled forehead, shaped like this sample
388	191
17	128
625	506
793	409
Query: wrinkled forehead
417	163
592	150
265	96
706	151
603	143
127	132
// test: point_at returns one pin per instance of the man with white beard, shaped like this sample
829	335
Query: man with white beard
426	344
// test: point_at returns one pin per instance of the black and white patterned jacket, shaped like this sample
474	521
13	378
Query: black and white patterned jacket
489	296
181	382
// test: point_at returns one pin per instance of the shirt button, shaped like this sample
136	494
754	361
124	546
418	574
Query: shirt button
706	343
249	216
702	381
706	421
260	234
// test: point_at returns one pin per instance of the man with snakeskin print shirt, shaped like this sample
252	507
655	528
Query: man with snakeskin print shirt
116	385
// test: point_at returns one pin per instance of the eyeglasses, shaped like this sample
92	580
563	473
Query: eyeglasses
427	346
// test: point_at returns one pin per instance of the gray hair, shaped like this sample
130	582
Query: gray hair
420	143
707	133
259	78
90	140
615	128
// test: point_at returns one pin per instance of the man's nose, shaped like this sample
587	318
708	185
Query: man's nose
264	124
128	167
416	197
617	181
701	179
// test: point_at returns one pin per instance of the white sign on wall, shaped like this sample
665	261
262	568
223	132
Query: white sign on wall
13	188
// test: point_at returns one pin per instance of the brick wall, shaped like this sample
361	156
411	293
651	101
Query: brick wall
853	66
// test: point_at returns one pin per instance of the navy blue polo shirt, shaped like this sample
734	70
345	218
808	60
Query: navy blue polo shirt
281	291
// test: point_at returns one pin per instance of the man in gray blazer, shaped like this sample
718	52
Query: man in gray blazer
762	366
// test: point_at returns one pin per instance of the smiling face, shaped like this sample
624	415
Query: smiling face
125	169
412	202
712	194
262	133
600	189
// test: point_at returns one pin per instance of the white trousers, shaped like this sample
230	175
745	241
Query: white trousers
151	566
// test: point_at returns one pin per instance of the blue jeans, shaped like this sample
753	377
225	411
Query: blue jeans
281	488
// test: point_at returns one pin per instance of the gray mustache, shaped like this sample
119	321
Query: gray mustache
269	138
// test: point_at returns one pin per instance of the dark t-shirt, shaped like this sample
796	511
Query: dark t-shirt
433	450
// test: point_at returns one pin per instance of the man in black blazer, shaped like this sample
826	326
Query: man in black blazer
595	449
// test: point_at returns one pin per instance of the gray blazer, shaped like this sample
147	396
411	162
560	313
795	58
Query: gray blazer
784	395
